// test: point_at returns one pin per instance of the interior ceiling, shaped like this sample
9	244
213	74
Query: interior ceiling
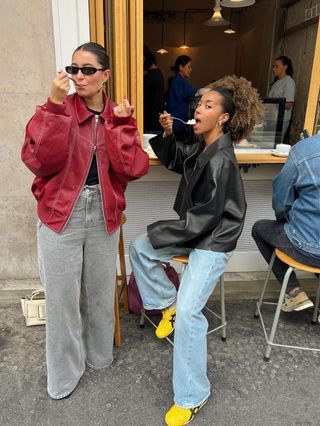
177	5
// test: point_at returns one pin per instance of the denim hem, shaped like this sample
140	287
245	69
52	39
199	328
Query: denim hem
193	405
63	395
95	367
156	308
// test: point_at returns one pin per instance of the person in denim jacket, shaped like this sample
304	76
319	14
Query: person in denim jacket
296	230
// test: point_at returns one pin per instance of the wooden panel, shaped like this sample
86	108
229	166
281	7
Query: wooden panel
136	59
120	49
121	23
314	88
97	28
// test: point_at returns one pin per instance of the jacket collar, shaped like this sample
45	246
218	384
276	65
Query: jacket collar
82	112
221	143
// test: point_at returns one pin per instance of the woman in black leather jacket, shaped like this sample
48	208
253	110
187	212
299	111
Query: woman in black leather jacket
211	206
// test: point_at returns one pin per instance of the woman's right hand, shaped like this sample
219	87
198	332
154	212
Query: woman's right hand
166	122
60	87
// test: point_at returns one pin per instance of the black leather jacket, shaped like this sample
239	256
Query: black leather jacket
210	201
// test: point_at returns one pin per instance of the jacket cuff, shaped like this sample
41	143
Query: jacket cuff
55	108
120	121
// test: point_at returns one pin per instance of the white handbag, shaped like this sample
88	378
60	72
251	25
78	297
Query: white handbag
34	308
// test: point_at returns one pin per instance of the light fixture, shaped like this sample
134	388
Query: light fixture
216	19
237	3
229	30
184	45
162	51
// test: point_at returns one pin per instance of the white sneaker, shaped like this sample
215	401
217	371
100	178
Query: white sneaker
297	302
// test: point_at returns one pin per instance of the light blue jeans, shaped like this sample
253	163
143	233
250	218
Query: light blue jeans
77	268
190	382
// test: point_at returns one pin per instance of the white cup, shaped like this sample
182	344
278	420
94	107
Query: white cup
283	148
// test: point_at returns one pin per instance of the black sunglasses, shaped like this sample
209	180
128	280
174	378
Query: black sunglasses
71	69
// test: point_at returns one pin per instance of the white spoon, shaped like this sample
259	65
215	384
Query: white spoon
190	122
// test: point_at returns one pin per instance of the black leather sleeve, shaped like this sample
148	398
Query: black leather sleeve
170	152
200	220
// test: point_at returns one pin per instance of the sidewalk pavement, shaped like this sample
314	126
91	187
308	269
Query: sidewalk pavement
136	390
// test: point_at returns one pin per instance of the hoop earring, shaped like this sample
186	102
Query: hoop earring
220	125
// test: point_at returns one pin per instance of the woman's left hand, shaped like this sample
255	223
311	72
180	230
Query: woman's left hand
124	109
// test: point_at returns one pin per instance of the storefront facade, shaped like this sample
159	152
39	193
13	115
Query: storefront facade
60	27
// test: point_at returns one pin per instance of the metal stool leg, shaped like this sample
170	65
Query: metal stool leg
259	304
142	317
223	310
222	317
316	305
277	314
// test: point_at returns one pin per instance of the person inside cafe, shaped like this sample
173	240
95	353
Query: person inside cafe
179	94
153	92
211	208
283	86
295	230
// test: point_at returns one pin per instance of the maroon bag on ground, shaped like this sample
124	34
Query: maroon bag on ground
135	302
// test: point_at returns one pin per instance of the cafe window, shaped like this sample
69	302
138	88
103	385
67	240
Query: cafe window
118	24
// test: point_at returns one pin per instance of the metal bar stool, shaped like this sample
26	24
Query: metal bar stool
293	264
222	317
121	287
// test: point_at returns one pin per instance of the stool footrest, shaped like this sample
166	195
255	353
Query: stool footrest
221	326
279	344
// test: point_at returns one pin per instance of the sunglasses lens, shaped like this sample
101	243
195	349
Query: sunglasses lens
72	70
88	70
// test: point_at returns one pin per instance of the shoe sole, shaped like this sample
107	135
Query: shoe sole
195	413
301	307
199	408
163	337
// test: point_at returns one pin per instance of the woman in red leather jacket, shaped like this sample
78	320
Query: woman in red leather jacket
83	150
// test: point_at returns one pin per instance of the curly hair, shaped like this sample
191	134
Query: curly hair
241	101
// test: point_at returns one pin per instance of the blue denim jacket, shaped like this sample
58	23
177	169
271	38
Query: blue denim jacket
296	195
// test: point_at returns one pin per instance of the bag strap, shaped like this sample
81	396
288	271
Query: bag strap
36	293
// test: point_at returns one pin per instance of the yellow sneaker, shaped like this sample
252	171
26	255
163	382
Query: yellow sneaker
178	416
166	325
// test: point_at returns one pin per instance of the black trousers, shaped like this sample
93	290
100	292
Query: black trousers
270	234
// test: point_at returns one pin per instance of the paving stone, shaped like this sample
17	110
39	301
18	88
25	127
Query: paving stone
136	390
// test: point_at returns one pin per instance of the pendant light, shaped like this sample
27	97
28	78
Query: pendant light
216	19
237	3
162	50
184	45
229	30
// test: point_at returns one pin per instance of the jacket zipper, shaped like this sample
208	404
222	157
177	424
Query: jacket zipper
95	151
86	175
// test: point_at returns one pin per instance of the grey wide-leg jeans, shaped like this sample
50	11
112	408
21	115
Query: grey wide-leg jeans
77	269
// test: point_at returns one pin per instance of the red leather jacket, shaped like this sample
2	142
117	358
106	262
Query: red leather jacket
59	145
